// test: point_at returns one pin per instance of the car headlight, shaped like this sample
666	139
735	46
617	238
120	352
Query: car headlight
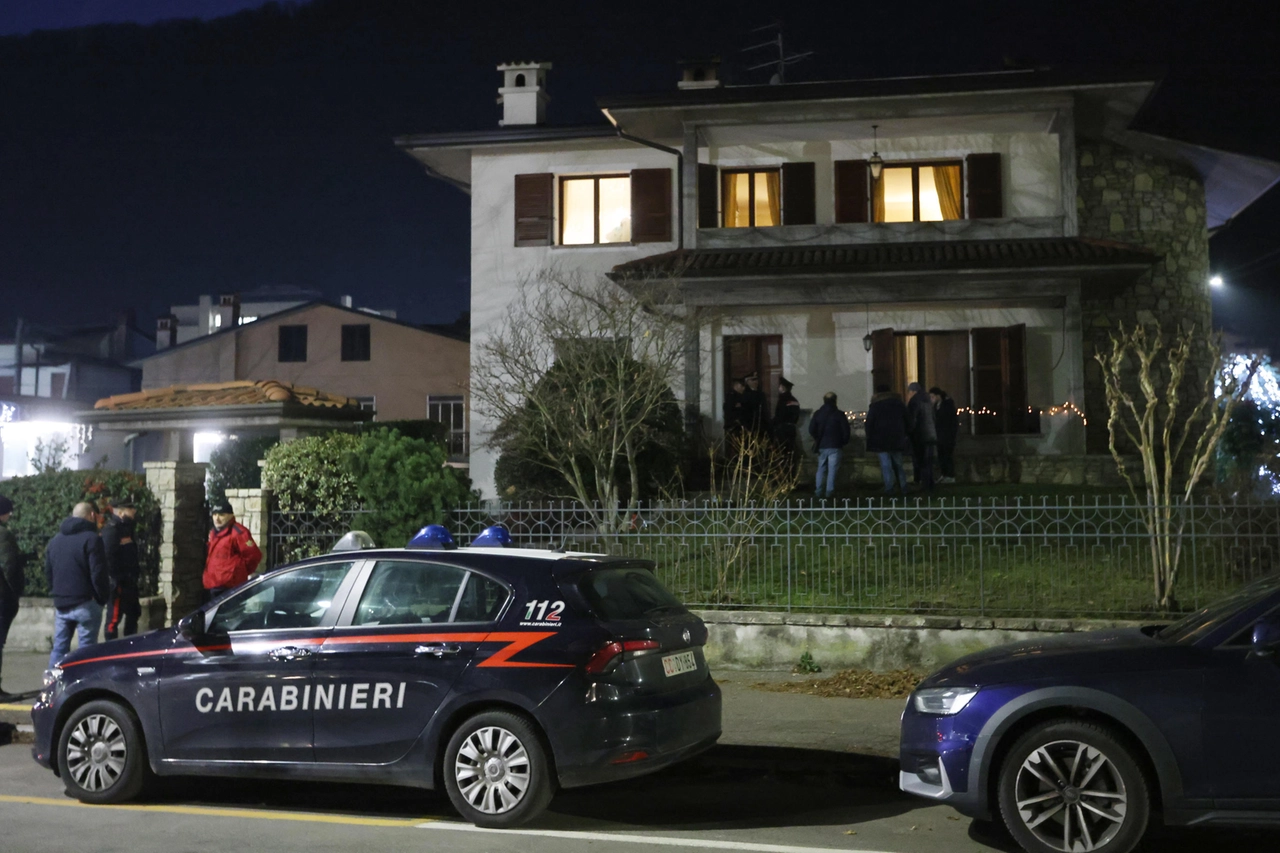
943	700
52	676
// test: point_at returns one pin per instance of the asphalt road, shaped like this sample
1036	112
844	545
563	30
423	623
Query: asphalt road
733	798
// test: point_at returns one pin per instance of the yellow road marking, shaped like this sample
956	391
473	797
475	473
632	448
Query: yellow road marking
204	811
15	708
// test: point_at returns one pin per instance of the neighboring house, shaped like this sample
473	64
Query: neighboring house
213	314
981	232
49	373
399	371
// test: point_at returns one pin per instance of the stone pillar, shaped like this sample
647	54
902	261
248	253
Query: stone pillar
179	488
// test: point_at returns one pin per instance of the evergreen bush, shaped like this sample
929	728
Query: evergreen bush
234	465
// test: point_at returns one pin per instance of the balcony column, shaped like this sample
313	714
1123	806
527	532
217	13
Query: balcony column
689	196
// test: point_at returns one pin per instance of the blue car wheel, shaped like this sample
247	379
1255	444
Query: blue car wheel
1069	786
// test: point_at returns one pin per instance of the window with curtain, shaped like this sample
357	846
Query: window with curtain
751	199
595	209
919	193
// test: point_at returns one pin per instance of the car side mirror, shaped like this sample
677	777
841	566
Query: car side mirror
191	626
1266	636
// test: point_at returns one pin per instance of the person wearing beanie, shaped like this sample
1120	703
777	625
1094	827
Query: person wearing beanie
232	554
12	581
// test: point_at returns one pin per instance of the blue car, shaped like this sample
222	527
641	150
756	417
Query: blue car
1076	742
497	674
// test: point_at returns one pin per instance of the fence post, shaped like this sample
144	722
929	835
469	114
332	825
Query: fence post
1195	566
787	540
982	578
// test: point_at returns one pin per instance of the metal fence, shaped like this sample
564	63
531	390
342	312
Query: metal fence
980	557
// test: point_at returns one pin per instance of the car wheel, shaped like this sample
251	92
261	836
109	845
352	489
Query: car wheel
1070	786
496	771
101	755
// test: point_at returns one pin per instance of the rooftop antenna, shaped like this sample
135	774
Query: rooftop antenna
783	60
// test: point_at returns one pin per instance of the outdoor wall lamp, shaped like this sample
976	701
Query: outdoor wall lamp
876	163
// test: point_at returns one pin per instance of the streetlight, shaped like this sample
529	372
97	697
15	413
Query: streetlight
1215	281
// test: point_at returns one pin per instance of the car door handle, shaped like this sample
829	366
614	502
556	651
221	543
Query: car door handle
289	653
437	649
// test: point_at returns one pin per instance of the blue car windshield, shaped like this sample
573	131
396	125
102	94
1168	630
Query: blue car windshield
1206	620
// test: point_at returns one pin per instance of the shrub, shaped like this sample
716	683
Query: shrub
42	501
404	483
234	465
311	474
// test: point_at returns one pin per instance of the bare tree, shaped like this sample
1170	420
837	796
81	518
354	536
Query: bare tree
578	378
1146	408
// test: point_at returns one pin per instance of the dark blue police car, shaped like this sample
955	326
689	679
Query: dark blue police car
1076	742
497	673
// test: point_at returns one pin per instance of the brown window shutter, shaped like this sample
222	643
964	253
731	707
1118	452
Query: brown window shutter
883	365
1000	380
534	210
851	190
651	206
799	205
708	196
986	197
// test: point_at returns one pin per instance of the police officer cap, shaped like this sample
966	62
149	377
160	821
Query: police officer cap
356	540
433	537
124	503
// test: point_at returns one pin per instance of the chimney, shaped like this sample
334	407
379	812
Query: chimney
166	332
346	301
228	311
700	73
524	93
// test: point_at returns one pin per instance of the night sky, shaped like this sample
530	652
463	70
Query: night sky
154	150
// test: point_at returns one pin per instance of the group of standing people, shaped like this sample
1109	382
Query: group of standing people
926	425
92	569
747	409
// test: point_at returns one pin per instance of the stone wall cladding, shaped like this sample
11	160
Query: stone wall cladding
1158	204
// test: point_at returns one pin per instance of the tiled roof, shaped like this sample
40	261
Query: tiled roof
242	393
1034	253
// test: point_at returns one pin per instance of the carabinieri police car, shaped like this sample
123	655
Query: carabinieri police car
497	673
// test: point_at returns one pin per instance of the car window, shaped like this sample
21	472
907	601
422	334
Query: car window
482	600
625	593
409	593
1244	637
293	599
1206	620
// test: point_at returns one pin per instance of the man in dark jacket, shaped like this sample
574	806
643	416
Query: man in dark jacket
755	406
121	550
924	434
887	436
786	419
829	428
12	582
947	423
733	407
76	568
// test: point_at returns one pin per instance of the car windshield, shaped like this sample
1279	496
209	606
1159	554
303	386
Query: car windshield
626	593
1204	621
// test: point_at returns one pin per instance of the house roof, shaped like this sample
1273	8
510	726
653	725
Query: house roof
243	393
941	256
279	315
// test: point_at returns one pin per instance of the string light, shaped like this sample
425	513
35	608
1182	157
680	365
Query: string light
1067	409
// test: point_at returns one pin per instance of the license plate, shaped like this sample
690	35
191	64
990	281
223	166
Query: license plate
679	663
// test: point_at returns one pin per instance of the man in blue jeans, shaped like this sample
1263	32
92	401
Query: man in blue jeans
75	565
829	428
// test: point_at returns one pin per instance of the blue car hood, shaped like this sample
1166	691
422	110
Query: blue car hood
1059	656
156	640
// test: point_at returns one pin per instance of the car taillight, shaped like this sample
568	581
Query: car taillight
604	655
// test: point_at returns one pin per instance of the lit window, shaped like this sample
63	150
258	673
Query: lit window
919	193
752	199
450	411
595	210
249	319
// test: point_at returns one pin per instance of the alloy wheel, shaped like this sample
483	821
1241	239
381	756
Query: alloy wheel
492	770
1071	796
96	753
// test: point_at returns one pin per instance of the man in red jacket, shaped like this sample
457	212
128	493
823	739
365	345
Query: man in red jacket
232	555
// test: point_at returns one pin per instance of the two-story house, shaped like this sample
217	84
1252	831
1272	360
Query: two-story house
979	232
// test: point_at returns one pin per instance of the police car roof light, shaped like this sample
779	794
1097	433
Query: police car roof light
356	540
433	537
495	536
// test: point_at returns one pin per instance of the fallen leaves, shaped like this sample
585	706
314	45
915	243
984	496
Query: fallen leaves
853	684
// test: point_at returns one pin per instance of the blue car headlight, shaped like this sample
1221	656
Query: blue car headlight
942	700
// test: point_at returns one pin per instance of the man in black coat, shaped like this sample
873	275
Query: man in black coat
887	436
786	420
829	428
76	568
923	431
120	548
947	424
12	582
734	412
755	406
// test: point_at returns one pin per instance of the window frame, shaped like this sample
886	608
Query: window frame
341	596
915	188
280	332
364	572
461	433
725	174
367	342
561	180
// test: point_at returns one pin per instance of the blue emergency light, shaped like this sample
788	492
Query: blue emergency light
433	537
496	536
